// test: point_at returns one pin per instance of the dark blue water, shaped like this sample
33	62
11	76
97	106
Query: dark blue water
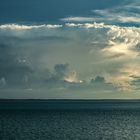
98	123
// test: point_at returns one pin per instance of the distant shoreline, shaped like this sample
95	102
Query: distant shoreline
68	104
88	100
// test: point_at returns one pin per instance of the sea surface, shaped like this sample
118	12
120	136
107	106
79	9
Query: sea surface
69	120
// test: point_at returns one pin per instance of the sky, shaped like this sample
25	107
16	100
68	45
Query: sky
84	49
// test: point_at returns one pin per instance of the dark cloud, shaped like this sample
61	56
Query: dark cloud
137	48
56	76
136	81
12	70
50	78
16	70
98	79
61	70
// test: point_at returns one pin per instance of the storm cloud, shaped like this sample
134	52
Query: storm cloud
93	54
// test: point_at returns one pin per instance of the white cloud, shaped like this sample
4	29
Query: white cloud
128	13
78	19
72	78
27	27
88	25
126	19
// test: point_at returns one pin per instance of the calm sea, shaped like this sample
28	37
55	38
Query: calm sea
69	120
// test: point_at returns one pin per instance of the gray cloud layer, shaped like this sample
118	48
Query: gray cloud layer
69	56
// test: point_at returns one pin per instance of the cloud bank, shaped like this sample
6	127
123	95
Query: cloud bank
70	58
92	55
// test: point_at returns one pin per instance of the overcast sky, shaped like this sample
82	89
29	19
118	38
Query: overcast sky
84	49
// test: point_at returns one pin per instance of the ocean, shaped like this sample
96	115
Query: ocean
69	120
